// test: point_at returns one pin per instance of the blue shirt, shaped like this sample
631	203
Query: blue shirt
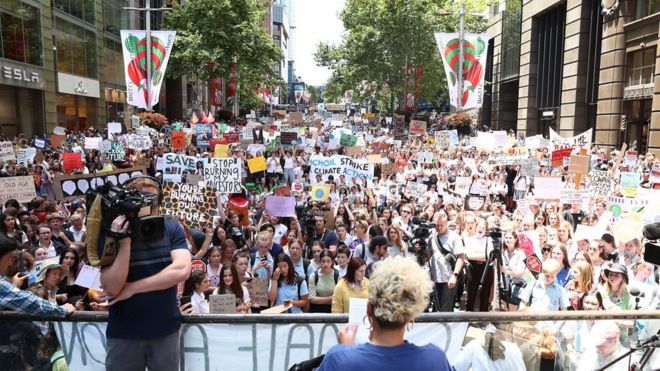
300	269
152	314
408	357
541	298
290	292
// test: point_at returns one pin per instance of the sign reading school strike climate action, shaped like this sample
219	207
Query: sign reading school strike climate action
20	188
337	165
223	174
191	204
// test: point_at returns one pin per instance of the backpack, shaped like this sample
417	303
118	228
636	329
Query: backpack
306	263
316	276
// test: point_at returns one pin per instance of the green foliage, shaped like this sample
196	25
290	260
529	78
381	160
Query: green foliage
383	37
212	35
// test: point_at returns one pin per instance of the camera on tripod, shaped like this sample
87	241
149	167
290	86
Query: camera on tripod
495	235
135	205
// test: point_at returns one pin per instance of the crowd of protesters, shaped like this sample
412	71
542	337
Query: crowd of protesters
319	259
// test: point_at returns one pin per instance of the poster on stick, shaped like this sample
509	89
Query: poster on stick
191	204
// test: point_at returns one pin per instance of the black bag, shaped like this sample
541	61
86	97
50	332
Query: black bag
308	365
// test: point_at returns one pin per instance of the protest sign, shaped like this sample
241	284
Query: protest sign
523	205
203	134
629	184
579	164
417	127
222	304
424	157
288	137
20	188
337	165
619	205
72	161
415	189
443	139
117	152
72	186
281	206
373	159
320	192
347	140
258	290
574	196
463	185
40	143
223	174
7	151
174	165
56	141
529	167
24	155
399	127
89	277
547	187
194	179
388	169
630	160
500	138
93	142
59	130
474	203
557	159
221	151
139	142
114	127
178	140
191	204
581	139
354	151
600	183
256	164
655	175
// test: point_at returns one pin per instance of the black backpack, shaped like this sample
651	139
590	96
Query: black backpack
316	276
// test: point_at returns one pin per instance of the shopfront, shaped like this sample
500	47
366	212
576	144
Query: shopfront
77	101
21	99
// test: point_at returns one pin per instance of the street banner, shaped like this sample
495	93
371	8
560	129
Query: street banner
134	46
76	186
475	55
337	165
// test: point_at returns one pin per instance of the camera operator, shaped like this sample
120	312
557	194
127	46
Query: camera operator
446	253
141	285
321	233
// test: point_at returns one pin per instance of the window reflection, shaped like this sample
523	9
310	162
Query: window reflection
20	32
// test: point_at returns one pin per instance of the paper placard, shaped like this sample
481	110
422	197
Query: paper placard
474	203
92	142
114	127
117	152
425	157
20	188
258	290
40	143
256	164
547	187
347	140
25	155
178	140
223	174
579	164
630	184
89	277
191	204
7	151
72	161
387	169
559	155
373	159
417	127
58	130
281	206
354	151
222	304
574	196
462	185
221	151
600	183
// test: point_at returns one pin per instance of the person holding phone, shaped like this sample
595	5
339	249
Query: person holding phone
286	287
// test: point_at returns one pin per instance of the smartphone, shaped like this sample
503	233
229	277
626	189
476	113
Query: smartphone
249	279
264	258
287	301
185	299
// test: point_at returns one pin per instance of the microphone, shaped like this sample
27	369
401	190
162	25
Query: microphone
636	292
652	231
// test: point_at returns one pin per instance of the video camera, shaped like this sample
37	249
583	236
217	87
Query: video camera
135	205
495	235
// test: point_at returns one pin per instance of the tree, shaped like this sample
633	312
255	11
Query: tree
383	38
314	95
213	35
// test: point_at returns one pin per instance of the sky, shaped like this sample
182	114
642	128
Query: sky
316	21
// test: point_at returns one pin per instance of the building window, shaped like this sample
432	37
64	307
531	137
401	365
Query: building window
511	21
76	49
112	20
641	65
645	8
20	30
113	60
81	9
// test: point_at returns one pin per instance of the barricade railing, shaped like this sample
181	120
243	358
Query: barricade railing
528	340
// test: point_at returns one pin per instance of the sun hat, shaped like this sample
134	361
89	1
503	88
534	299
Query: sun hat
44	271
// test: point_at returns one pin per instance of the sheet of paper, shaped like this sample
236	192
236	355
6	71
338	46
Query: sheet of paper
89	277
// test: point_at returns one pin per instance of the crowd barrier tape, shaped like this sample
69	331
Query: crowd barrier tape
275	342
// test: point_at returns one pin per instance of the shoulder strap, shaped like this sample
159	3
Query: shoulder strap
316	277
336	273
364	247
306	266
299	283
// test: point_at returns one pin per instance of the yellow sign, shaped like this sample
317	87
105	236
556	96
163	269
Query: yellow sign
256	164
221	151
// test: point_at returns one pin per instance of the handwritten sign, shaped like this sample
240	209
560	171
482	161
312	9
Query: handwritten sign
547	188
191	204
24	155
117	152
578	164
347	140
629	184
72	161
424	157
600	183
574	196
258	290
559	155
20	188
373	159
114	127
92	142
387	169
7	151
417	127
221	151
281	206
223	174
178	140
288	137
222	304
89	277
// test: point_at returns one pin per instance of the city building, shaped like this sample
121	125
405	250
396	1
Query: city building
572	65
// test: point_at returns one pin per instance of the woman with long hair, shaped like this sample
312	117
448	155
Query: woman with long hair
477	249
561	256
228	249
553	220
396	246
71	259
322	284
286	287
195	286
539	219
214	265
230	283
614	292
353	285
399	291
580	285
9	228
219	235
513	260
565	236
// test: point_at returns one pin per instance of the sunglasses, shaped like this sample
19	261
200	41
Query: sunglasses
546	249
405	211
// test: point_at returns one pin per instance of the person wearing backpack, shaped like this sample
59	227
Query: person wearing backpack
322	284
286	287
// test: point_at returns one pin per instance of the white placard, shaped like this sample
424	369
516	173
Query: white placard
89	277
7	151
114	127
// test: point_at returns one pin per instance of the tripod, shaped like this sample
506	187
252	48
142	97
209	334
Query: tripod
649	347
495	256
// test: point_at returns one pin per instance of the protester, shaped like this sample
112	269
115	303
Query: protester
231	284
286	288
322	284
353	285
194	288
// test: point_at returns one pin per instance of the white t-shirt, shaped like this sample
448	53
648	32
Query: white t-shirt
451	242
199	303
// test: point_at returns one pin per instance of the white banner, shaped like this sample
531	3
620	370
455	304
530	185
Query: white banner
245	346
337	165
475	55
134	46
581	139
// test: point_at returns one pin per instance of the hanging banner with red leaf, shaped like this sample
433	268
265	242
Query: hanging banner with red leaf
134	45
475	55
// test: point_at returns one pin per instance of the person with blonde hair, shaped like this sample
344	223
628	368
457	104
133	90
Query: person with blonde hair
545	294
580	285
398	291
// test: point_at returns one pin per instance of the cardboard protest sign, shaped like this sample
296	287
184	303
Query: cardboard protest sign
25	155
93	142
373	159
347	140
417	127
629	184
223	174
72	161
354	151
288	137
7	151
600	183
281	206
222	304
387	169
557	159
56	141
59	130
178	140
258	290
191	204
117	152
114	127
256	164
579	164
73	186
203	134
547	187
20	188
